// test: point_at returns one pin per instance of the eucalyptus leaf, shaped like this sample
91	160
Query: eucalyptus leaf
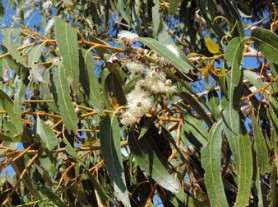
63	99
267	42
66	38
111	151
211	162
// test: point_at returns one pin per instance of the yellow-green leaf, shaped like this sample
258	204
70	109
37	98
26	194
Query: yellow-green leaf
212	46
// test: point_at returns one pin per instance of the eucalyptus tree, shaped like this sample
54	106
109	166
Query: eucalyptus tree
138	103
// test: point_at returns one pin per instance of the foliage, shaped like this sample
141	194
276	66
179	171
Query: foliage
168	112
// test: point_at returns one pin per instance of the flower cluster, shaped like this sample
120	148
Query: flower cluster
141	99
153	87
127	37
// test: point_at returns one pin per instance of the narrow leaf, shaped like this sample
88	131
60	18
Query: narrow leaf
11	46
14	126
89	82
63	99
211	162
245	171
166	53
212	46
52	196
273	193
147	125
150	163
213	102
260	145
46	134
233	54
33	57
66	38
267	42
111	151
187	97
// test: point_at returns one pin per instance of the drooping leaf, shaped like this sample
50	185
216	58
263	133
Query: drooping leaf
121	8
14	126
90	83
212	46
46	134
267	42
211	162
150	163
194	127
19	96
213	102
233	54
52	196
166	53
66	38
231	116
273	193
63	99
260	145
11	46
33	57
147	125
245	171
111	151
159	27
189	99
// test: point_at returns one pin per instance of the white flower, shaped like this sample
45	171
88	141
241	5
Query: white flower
173	49
128	118
155	75
134	67
124	36
139	102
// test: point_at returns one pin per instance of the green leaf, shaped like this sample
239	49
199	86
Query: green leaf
231	116
66	38
162	50
131	84
150	163
211	162
47	135
187	98
19	96
14	125
11	46
245	171
147	125
51	196
260	145
173	6
267	42
89	82
253	78
110	138
212	46
159	27
213	102
273	193
121	7
63	100
233	54
196	128
33	57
